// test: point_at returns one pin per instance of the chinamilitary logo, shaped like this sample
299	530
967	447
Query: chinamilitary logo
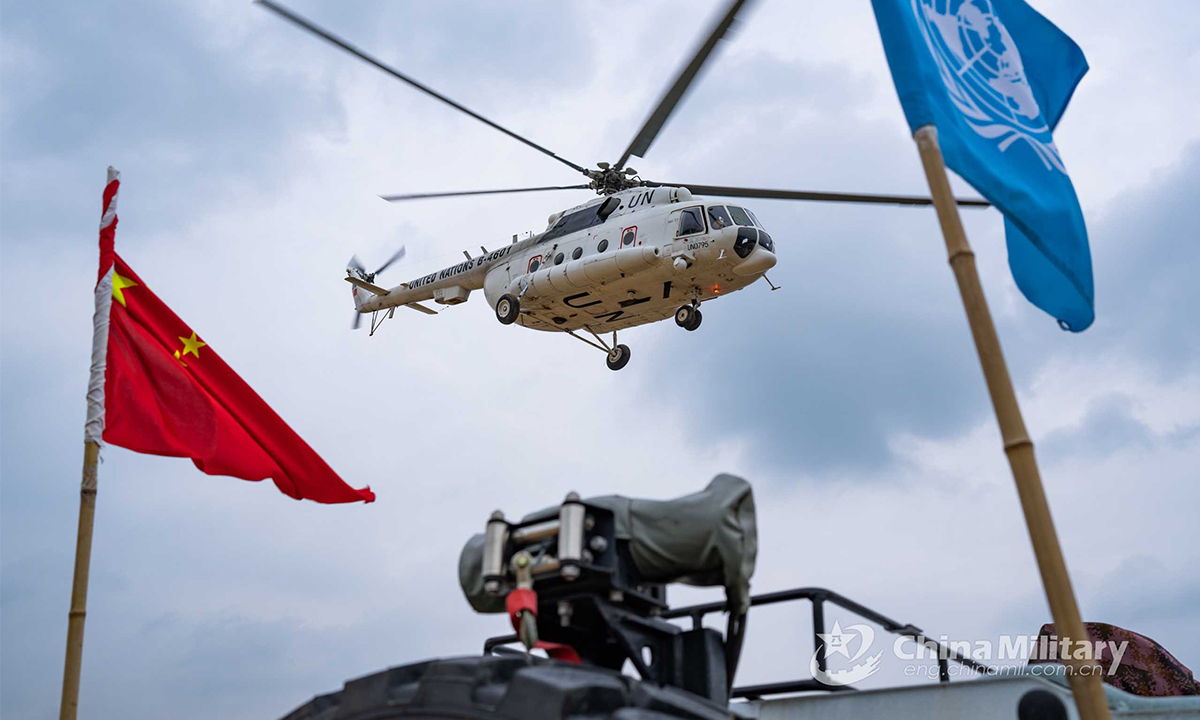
983	73
838	643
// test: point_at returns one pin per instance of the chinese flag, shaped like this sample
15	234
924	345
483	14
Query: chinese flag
157	387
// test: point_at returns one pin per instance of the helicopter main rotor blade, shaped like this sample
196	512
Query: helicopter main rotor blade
769	194
396	256
460	193
343	44
641	142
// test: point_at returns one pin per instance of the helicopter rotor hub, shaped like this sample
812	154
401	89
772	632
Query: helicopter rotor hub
608	180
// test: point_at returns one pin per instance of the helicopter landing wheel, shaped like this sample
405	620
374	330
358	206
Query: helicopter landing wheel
685	316
618	357
508	308
697	318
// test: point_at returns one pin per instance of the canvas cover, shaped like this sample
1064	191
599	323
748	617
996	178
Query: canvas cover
706	539
1145	668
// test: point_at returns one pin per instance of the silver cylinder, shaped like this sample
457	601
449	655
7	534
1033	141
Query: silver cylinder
570	536
533	533
494	539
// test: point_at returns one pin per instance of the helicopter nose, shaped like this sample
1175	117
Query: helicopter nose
758	249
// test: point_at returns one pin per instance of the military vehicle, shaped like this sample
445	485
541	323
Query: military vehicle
585	582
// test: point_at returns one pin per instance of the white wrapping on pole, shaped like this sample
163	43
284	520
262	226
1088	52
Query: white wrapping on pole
94	427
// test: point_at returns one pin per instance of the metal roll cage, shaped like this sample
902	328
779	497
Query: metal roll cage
818	596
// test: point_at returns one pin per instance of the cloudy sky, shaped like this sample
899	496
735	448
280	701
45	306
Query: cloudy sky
252	157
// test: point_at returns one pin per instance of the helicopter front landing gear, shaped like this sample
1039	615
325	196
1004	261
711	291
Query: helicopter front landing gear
508	308
689	317
617	355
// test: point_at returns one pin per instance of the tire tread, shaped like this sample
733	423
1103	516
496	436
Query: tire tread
504	687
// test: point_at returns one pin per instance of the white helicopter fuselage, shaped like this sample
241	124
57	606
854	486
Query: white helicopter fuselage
620	261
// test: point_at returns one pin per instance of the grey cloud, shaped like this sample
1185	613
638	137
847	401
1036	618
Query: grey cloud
1134	592
234	665
215	596
867	338
863	338
1109	426
1147	251
1154	598
148	88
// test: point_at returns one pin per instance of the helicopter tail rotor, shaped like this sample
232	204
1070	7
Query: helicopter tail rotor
364	282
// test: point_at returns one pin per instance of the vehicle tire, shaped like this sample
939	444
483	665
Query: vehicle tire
618	358
508	307
697	318
683	316
505	687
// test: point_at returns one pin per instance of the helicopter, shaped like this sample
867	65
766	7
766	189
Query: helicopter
641	252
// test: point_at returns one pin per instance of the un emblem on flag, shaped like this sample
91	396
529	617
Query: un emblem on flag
983	73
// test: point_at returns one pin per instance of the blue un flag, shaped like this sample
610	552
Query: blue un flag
994	77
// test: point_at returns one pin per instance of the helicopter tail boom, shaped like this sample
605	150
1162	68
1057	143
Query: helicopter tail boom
361	298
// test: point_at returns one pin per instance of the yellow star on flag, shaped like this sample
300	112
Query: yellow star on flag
120	282
192	345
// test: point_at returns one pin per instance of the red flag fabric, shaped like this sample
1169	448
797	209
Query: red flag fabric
167	392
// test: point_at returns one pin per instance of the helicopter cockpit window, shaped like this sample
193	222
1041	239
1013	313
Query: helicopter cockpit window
755	218
718	218
690	222
740	217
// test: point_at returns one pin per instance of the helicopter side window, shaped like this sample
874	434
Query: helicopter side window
690	222
577	253
602	246
718	218
740	217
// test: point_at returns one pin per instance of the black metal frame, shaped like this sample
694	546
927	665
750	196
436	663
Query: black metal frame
818	597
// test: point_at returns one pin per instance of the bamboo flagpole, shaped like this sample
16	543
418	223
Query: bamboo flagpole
1084	673
92	434
79	587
